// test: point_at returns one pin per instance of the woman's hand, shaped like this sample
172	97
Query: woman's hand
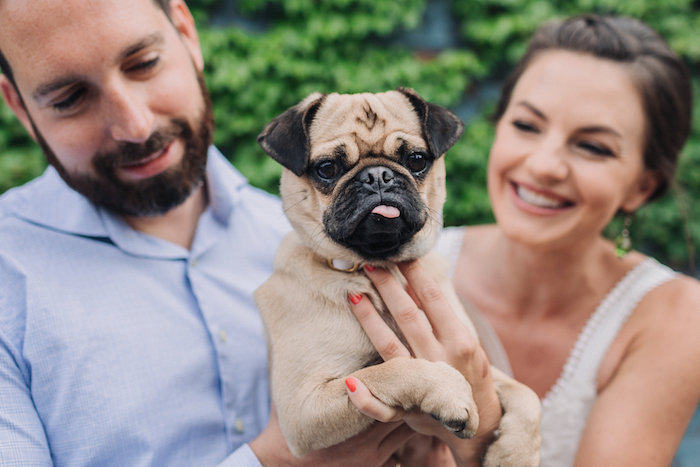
442	337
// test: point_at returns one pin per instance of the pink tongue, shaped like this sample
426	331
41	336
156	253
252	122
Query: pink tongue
389	212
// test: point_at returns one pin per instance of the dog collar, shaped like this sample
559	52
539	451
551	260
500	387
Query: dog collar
342	265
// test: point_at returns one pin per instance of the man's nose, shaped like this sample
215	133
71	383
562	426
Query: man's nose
129	116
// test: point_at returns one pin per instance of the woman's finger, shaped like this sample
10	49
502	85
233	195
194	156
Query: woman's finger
369	405
437	308
409	318
380	334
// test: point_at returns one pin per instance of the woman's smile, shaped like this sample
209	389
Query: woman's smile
539	199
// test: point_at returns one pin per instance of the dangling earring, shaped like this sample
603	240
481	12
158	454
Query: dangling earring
623	243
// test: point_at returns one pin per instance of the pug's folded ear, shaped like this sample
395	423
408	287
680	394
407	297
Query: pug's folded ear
286	138
441	128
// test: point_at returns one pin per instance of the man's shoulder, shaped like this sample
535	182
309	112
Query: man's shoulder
47	203
14	199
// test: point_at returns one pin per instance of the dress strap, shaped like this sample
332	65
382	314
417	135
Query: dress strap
449	245
605	323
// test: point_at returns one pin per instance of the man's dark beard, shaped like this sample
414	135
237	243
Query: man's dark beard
155	195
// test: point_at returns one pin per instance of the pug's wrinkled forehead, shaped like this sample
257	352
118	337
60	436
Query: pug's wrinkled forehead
351	127
365	124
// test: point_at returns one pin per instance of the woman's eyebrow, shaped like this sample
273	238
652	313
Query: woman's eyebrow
532	109
585	130
600	129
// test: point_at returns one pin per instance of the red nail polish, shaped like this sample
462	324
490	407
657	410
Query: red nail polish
355	298
369	267
351	384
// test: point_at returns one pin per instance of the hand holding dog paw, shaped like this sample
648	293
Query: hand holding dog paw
420	450
434	332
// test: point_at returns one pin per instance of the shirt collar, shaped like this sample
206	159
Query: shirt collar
49	202
224	184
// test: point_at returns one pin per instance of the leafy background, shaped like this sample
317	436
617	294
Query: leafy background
265	55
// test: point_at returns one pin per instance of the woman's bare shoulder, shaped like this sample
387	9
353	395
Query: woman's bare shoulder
666	322
678	297
669	319
649	394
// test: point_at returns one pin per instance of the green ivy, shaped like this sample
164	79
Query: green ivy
297	47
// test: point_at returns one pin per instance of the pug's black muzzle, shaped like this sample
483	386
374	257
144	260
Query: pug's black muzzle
350	220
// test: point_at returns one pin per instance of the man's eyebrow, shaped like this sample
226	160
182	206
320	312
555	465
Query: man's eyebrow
148	41
44	89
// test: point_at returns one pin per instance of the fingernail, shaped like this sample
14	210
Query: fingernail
355	298
351	384
369	267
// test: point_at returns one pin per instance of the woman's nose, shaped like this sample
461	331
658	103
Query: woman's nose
547	160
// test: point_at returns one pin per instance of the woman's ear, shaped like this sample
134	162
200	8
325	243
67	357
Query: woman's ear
641	191
16	104
183	21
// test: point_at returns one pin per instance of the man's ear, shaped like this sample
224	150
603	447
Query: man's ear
183	21
639	194
16	104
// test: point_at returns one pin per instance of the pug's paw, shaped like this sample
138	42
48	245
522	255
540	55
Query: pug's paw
509	452
451	403
517	441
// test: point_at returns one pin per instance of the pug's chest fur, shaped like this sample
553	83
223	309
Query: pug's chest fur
322	300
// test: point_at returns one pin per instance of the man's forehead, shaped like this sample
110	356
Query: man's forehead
48	16
46	34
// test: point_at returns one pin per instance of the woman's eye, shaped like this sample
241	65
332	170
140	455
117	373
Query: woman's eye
416	162
524	126
595	149
327	170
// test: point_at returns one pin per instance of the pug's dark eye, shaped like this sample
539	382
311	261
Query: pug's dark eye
417	162
327	170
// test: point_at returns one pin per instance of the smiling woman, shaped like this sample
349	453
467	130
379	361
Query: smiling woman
589	124
575	143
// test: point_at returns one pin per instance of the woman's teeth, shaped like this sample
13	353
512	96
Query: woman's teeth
539	200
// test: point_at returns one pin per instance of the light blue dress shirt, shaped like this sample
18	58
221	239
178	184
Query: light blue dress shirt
121	349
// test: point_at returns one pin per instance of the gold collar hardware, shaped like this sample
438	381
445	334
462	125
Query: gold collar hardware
343	265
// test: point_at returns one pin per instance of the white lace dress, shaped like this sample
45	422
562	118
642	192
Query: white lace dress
568	403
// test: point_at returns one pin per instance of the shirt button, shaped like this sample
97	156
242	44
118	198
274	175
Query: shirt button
194	263
239	426
223	337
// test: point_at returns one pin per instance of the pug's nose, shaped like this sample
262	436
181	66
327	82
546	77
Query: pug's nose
377	177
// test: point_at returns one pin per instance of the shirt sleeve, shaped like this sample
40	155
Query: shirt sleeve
241	457
22	438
